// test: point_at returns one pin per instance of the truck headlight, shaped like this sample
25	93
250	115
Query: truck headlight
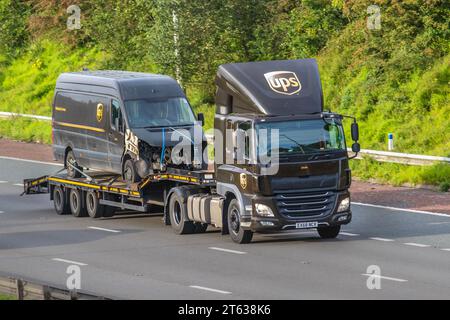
344	205
263	210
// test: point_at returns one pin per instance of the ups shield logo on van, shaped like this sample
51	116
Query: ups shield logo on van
283	82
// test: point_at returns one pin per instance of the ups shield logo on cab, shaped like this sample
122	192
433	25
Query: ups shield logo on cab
284	82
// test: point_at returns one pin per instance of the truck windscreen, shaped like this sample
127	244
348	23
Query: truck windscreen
302	136
148	113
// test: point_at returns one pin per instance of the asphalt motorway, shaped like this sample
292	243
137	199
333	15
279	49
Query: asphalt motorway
137	257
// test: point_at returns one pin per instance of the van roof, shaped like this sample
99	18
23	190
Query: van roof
131	85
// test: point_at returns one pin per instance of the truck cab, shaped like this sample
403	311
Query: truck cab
281	161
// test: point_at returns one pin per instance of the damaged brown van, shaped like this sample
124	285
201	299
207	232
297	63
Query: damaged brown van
119	122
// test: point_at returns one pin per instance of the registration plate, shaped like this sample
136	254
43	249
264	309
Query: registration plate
306	225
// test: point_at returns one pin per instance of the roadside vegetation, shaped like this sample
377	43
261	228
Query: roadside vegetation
395	79
6	297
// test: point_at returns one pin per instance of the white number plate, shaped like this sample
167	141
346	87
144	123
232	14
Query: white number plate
306	225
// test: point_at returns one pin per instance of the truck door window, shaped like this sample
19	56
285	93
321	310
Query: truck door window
244	137
116	116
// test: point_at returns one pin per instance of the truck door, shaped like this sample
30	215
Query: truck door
116	140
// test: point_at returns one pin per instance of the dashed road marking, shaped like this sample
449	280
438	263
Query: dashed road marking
227	250
438	223
381	239
349	234
210	289
420	245
383	277
18	184
69	261
2	211
3	181
103	229
446	249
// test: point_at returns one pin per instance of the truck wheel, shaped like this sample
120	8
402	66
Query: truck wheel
94	209
60	202
76	205
71	172
329	232
237	234
129	172
177	214
200	227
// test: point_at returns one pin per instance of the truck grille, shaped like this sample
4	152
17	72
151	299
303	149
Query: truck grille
295	204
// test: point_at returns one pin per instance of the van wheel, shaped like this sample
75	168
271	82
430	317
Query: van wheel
237	234
94	209
329	232
76	205
129	172
177	215
71	172
60	202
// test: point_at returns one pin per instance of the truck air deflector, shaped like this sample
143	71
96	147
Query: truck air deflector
271	88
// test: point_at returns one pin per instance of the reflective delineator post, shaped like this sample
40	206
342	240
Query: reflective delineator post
390	141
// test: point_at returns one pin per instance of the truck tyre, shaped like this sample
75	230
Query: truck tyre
76	204
329	232
60	201
237	234
94	209
129	172
200	227
71	172
178	214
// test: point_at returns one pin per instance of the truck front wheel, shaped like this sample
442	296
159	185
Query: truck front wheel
237	234
329	232
178	214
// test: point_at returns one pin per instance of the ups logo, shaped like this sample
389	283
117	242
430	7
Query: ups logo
284	82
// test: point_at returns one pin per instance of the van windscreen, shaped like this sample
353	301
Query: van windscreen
148	113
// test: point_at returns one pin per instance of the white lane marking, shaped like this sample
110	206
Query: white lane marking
383	277
210	289
227	250
18	184
445	249
349	234
413	244
69	261
402	209
32	161
2	211
3	181
103	229
381	239
438	223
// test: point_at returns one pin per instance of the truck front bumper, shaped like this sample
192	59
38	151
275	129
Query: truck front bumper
280	221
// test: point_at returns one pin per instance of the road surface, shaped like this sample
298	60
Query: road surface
137	257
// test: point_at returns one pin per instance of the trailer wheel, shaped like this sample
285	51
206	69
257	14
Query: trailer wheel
200	227
178	213
76	204
329	232
237	234
94	209
71	172
60	201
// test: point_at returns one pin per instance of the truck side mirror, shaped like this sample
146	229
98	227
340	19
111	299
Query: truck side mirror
201	118
355	131
356	147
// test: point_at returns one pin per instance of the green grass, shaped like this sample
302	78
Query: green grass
399	174
6	297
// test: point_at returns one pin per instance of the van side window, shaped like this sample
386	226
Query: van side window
116	116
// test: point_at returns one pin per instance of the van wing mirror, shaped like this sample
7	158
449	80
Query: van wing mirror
201	118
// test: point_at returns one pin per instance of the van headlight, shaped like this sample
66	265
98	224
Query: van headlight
263	210
344	205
